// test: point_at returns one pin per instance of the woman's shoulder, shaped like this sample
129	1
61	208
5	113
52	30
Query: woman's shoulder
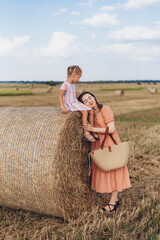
107	114
106	108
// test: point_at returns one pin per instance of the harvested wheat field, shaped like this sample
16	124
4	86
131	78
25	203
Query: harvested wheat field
137	118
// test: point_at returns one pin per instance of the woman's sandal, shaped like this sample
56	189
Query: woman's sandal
109	206
117	203
88	138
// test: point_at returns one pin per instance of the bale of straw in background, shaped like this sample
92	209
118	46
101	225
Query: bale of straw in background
43	161
152	90
119	93
31	87
16	88
49	89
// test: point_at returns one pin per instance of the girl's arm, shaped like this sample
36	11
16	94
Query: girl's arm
62	92
110	125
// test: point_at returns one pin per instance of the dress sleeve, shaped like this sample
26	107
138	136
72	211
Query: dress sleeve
63	86
107	114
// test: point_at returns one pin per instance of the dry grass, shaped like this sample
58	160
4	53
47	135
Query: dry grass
137	116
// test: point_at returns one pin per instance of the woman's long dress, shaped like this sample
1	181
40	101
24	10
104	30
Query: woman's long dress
115	180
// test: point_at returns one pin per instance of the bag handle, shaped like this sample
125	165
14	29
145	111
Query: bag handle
106	134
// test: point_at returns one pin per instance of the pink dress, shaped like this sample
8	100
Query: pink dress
116	180
70	101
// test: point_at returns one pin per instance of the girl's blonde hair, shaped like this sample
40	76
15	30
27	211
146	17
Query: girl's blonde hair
72	69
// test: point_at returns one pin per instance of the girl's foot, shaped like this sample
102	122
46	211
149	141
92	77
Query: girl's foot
88	137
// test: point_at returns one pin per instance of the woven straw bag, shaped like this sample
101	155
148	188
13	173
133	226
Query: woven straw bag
111	157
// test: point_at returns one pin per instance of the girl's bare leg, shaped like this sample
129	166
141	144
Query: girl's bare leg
91	120
87	135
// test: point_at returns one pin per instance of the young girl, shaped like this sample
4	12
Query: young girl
69	102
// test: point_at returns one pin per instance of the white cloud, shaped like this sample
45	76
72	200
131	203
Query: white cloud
87	3
121	48
132	52
8	47
137	33
59	46
139	3
60	11
75	13
101	20
108	8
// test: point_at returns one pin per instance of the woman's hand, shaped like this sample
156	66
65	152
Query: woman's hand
88	127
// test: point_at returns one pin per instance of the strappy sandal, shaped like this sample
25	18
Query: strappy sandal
89	138
95	135
110	210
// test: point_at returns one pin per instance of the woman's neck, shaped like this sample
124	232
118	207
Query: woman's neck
96	109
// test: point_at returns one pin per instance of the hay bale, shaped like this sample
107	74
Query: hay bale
153	90
31	87
119	93
43	161
16	88
49	89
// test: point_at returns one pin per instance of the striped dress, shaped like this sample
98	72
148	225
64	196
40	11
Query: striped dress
69	98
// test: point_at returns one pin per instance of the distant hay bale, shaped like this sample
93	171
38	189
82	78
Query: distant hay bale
31	87
152	90
119	92
43	161
49	89
16	88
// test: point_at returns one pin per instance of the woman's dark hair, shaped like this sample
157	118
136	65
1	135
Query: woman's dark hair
99	105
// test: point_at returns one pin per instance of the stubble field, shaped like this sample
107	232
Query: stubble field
137	119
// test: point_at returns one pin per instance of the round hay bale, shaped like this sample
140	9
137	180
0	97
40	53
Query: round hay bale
16	88
49	89
119	93
43	161
153	90
31	87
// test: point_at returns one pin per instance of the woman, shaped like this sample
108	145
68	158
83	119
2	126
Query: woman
105	182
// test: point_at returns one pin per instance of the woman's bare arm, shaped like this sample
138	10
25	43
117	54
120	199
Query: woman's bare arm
110	125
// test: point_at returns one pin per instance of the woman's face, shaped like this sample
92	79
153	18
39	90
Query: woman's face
89	100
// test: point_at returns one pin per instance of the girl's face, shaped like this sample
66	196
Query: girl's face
89	100
76	77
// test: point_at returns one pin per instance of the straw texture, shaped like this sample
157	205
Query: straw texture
43	161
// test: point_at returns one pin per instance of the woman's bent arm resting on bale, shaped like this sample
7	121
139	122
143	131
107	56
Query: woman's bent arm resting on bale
110	125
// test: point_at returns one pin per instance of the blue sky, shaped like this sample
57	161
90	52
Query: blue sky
109	40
